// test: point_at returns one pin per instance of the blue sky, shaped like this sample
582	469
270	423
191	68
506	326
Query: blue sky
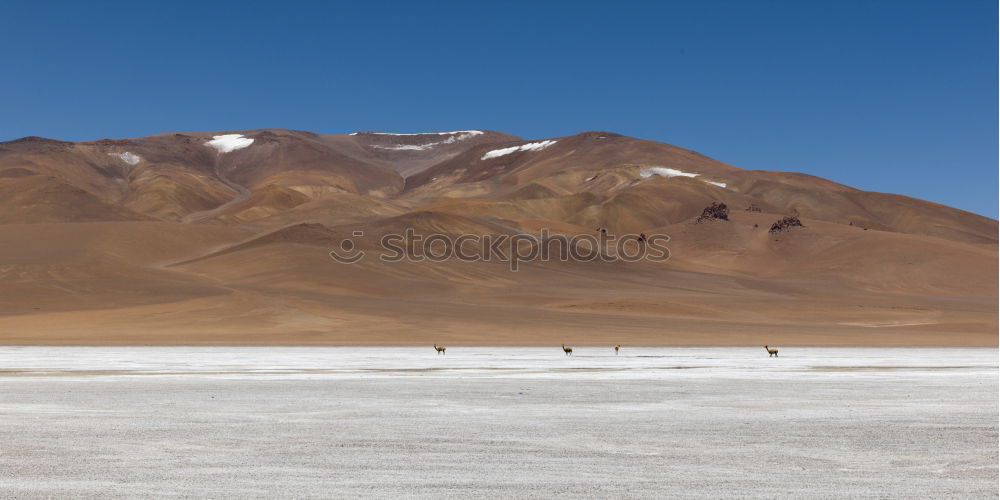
884	96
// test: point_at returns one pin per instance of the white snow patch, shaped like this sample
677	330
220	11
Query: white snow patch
229	142
130	158
673	172
465	134
468	132
531	146
665	172
407	147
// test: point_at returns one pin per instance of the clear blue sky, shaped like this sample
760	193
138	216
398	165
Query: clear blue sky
885	96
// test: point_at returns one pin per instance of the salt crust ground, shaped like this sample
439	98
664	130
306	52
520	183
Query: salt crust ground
256	422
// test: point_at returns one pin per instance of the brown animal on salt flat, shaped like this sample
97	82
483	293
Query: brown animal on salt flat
440	348
568	350
771	352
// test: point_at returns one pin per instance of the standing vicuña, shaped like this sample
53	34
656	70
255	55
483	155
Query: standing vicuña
617	347
440	348
568	350
771	352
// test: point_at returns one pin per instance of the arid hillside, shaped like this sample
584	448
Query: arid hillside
199	238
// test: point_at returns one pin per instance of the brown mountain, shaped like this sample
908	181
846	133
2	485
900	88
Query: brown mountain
226	238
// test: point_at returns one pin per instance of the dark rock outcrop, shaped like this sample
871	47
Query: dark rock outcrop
785	224
715	211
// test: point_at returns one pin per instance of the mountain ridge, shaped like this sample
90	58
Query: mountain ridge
227	237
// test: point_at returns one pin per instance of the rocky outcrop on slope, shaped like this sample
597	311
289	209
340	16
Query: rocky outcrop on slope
715	211
785	224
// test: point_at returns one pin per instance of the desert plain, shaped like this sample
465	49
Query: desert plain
518	422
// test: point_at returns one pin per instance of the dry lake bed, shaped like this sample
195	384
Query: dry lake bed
345	422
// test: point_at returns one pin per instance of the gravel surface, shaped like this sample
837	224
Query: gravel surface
235	422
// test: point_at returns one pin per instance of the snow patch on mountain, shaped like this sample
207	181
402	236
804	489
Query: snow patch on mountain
465	134
127	157
532	146
229	142
407	147
665	172
673	172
